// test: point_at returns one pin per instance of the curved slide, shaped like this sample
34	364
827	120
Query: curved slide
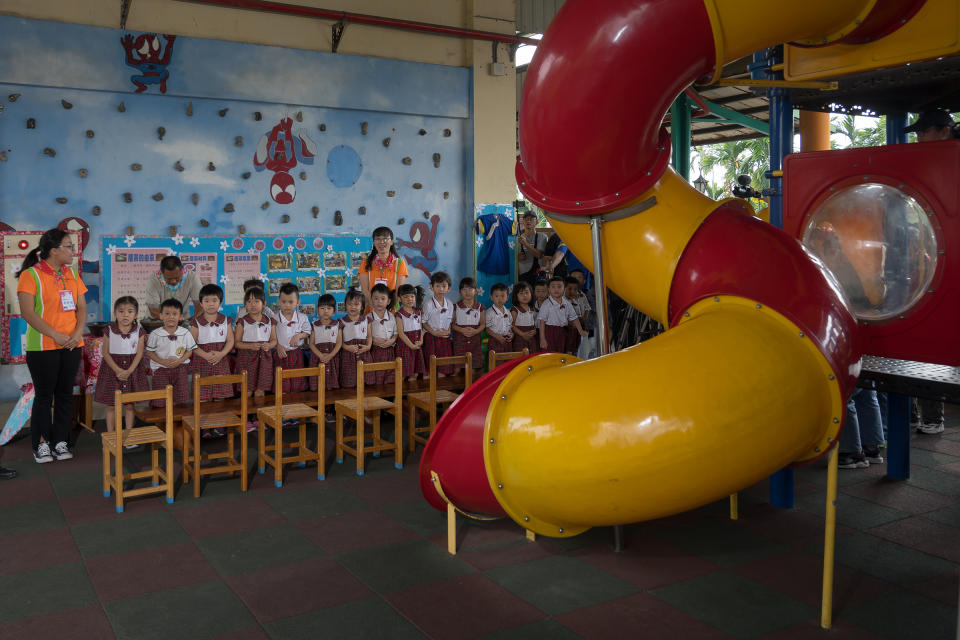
761	351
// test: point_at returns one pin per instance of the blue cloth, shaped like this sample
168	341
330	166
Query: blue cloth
495	254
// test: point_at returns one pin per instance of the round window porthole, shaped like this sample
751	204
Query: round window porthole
880	246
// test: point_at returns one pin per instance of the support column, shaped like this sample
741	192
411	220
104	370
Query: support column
896	123
680	135
814	131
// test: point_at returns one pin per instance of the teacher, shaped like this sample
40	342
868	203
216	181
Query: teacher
52	303
171	282
383	265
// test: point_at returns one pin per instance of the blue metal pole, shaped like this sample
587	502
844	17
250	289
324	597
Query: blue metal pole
896	123
898	436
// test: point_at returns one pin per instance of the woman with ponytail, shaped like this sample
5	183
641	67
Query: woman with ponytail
383	266
51	301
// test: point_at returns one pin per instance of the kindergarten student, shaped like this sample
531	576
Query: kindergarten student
410	332
292	328
571	291
169	348
540	293
468	322
437	315
122	368
498	321
325	345
253	283
356	339
213	334
383	330
255	336
524	319
555	315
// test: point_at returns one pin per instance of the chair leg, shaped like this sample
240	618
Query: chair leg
278	453
361	439
261	454
185	467
377	441
412	428
106	472
339	436
302	447
231	456
244	479
398	440
321	448
155	464
169	452
196	461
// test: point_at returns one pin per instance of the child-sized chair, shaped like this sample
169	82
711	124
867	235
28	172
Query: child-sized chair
357	409
428	400
494	358
114	441
274	417
199	421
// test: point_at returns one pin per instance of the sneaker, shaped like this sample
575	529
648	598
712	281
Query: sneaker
130	447
852	461
61	452
218	432
251	426
931	429
915	424
42	454
872	454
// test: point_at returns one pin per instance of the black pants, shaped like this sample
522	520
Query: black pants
53	373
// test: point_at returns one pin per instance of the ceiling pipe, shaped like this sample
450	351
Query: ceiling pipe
361	18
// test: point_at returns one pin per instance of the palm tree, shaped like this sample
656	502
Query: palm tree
870	136
751	157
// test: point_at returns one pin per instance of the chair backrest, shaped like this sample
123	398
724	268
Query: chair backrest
120	398
466	360
206	381
306	372
366	367
494	358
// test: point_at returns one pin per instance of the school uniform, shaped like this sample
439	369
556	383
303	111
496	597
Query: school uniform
286	329
212	337
354	333
382	328
267	312
557	316
499	321
171	345
413	360
439	315
257	363
122	347
526	321
325	340
464	316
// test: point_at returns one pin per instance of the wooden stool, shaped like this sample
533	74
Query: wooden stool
494	358
274	417
114	441
194	425
428	400
357	409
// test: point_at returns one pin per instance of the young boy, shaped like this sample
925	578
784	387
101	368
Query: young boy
468	323
588	317
499	321
292	328
540	294
254	283
169	348
571	291
437	317
556	313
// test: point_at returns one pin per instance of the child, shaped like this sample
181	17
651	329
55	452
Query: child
436	318
571	291
292	328
122	351
255	336
524	319
253	283
498	321
468	322
540	293
326	343
356	339
169	348
213	333
555	315
383	330
410	332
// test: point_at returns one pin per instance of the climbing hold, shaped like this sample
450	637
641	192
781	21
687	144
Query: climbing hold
303	175
447	133
90	133
194	198
223	112
49	152
172	230
204	222
417	185
337	218
121	107
363	128
13	97
82	173
362	211
128	197
285	218
407	161
161	132
422	132
390	194
189	108
299	116
315	210
211	167
31	123
129	230
238	141
436	159
136	166
401	220
386	142
241	229
65	104
62	200
446	195
96	209
178	165
323	127
3	156
426	214
158	196
229	208
245	175
265	205
257	116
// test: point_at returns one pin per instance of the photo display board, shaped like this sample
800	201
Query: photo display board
317	264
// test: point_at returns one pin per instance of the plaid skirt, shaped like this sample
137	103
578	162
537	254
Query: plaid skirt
500	347
204	369
179	378
556	338
413	362
331	374
348	364
259	367
294	360
572	340
440	347
380	354
108	382
463	344
531	344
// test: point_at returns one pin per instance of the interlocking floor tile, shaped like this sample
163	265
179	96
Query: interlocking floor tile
647	562
548	629
257	549
31	517
135	573
401	565
852	511
319	500
905	616
92	507
355	530
132	532
45	591
887	560
29	551
25	490
899	495
721	541
918	532
208	520
363	619
87	623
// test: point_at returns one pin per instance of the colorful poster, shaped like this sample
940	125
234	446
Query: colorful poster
237	268
132	268
203	264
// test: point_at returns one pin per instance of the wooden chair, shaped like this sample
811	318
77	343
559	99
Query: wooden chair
195	424
357	409
428	400
494	358
274	417
114	441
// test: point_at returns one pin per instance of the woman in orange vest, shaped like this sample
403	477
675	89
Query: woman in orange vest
383	265
51	301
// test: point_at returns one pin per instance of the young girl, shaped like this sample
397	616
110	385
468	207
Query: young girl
383	330
214	336
325	345
292	328
255	336
524	319
122	351
468	322
437	314
410	333
356	339
555	315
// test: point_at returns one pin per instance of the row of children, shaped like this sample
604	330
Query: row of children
264	340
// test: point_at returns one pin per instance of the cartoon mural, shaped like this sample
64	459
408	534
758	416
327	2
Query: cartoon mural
422	239
144	54
279	151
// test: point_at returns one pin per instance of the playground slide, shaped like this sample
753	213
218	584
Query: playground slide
761	351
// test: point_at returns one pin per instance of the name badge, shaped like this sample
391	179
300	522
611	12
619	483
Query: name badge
382	281
67	303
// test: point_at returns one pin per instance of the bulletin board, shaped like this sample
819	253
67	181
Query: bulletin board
317	264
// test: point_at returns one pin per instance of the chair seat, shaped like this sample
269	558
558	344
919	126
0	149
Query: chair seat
290	412
210	420
137	435
423	397
369	404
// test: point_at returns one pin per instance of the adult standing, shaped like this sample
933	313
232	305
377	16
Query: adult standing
383	265
530	246
51	301
554	261
171	282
